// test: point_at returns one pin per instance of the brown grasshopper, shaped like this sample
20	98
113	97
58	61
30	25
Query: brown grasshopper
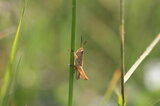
78	62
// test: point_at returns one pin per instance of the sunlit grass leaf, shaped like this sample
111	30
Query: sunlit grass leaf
9	74
119	100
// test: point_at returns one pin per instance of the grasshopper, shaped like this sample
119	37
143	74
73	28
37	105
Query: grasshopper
78	62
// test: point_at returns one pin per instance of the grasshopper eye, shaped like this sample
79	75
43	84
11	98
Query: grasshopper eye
81	51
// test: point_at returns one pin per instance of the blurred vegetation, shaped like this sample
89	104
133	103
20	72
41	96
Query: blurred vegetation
45	46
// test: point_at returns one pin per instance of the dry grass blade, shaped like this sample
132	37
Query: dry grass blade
141	58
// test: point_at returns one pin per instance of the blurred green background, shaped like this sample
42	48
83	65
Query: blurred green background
45	50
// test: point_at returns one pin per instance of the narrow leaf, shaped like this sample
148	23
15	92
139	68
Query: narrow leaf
9	73
141	58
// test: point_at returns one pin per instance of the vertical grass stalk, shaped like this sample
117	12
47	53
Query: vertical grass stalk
71	73
9	74
122	35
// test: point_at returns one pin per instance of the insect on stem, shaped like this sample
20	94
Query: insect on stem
78	62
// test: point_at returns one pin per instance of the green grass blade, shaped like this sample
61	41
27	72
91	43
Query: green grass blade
9	73
15	75
119	98
12	84
141	58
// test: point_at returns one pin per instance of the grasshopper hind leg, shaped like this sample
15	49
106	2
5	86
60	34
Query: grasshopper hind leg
78	75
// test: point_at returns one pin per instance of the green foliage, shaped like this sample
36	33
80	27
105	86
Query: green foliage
120	100
45	47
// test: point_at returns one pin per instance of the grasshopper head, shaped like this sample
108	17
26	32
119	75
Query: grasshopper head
81	50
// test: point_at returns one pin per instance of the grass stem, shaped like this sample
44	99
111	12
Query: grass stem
71	73
122	35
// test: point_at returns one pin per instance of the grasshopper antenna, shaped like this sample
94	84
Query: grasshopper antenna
82	43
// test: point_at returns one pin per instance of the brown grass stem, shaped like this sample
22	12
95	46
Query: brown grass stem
122	36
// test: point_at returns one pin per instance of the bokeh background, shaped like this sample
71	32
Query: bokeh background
44	49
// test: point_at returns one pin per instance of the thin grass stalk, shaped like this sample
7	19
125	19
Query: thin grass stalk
9	73
71	73
122	35
141	58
